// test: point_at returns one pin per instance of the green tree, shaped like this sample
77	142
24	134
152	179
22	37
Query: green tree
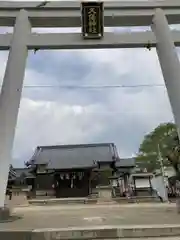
163	139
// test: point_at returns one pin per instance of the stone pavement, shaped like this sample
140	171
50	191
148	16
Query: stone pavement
92	222
34	217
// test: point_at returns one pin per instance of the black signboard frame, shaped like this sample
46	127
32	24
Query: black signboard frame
93	29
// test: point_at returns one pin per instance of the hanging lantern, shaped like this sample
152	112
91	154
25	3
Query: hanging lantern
92	19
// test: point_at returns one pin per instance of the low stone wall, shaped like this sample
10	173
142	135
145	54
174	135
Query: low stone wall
4	214
59	201
49	193
120	200
92	233
138	199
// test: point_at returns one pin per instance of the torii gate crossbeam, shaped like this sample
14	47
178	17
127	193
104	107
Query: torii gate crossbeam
48	41
26	15
67	13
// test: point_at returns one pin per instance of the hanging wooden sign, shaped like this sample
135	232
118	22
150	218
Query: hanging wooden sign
92	19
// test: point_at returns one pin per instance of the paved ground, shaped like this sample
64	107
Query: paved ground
35	217
168	238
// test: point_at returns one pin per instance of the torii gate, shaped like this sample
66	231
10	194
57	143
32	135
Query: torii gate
25	15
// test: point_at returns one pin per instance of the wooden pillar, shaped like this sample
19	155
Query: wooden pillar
89	185
135	190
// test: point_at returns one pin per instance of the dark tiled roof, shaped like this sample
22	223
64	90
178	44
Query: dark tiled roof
74	156
125	162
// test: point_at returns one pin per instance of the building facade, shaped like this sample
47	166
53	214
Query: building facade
69	170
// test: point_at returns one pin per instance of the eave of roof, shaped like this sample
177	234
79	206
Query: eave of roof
125	163
75	146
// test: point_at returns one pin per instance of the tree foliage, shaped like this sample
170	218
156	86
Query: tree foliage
162	140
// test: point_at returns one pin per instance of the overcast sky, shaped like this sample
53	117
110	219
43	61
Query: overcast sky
49	116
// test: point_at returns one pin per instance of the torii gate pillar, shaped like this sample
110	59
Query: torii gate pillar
10	96
169	62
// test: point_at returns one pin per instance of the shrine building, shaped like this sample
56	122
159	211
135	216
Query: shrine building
69	170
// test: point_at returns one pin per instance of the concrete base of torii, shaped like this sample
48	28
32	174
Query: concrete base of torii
5	214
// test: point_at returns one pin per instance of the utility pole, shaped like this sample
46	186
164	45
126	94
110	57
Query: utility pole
160	160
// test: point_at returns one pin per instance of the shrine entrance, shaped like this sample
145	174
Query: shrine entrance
92	17
72	184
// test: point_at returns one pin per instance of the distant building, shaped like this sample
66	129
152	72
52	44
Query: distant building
68	170
120	180
71	170
142	183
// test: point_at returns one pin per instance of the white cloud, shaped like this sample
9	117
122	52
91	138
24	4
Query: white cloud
48	123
